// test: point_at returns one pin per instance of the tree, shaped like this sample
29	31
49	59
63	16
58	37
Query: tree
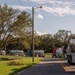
45	42
13	22
62	35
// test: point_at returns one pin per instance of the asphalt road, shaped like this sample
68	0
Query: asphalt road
50	66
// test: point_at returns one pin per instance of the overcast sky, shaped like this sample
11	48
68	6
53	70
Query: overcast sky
55	14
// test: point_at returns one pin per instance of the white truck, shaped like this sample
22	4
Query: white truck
71	51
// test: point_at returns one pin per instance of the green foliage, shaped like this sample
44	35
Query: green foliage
13	22
16	64
16	32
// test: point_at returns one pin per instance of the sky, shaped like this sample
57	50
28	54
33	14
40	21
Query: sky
54	15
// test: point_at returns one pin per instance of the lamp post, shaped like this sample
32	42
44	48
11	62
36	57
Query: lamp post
33	8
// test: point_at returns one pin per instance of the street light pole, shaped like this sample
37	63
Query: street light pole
33	32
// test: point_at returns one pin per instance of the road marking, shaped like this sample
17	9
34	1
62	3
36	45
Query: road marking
66	68
70	68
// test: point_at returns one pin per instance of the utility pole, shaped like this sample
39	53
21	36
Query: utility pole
33	34
33	31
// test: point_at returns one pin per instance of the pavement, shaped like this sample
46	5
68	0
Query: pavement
49	66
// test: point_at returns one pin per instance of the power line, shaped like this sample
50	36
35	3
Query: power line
44	22
37	13
22	4
47	25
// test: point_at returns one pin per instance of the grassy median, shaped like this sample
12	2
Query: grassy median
10	65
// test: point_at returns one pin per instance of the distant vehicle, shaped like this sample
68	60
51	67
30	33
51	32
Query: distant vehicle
2	52
16	52
28	53
39	53
71	51
59	52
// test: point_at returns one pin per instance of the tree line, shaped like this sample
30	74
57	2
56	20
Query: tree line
16	32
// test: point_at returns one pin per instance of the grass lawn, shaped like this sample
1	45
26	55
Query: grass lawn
12	64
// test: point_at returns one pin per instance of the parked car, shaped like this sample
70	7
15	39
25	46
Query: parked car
28	53
2	52
16	52
39	53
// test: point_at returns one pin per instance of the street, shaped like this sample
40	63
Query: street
50	66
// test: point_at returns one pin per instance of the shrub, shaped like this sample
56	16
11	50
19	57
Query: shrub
15	62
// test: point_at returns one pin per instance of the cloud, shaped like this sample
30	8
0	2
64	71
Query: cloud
38	1
59	11
39	16
20	7
39	33
57	7
51	1
24	0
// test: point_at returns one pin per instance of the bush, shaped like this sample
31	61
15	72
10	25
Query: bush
15	62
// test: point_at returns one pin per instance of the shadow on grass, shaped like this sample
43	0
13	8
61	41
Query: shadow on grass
18	70
6	59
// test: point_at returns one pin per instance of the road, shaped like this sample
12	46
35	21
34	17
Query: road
50	66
